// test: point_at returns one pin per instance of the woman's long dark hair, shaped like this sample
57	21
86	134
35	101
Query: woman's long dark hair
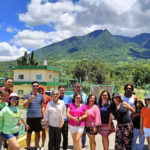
138	101
90	97
75	95
100	98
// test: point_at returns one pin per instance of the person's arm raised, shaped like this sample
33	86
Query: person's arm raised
27	101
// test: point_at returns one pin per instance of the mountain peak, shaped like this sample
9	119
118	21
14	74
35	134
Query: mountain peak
95	33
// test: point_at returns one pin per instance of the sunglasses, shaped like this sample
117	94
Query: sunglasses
55	94
35	85
14	98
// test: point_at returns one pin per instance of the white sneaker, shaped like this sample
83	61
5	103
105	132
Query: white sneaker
43	148
2	148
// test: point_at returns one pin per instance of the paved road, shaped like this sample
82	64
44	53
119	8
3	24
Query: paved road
98	143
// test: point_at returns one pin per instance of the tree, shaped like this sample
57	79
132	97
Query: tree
23	61
32	61
94	70
80	70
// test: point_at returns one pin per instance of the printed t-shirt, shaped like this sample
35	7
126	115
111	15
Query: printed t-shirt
34	107
77	112
11	116
2	105
145	114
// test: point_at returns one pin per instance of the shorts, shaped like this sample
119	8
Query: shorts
34	124
75	129
146	131
9	136
90	130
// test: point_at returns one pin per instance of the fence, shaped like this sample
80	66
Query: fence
97	89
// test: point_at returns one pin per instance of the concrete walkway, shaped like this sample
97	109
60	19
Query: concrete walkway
99	145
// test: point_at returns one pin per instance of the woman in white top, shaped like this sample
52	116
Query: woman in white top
128	96
55	115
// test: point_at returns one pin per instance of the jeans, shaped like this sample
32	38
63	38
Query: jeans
136	134
84	137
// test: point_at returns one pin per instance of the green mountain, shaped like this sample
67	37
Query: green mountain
98	45
143	39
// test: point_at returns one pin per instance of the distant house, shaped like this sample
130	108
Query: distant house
25	75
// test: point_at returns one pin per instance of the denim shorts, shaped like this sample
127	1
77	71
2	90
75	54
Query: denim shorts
9	136
75	129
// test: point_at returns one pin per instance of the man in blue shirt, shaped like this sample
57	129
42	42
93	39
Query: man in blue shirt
78	89
34	103
64	130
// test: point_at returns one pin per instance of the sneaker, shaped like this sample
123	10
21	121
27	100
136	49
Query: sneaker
2	148
42	148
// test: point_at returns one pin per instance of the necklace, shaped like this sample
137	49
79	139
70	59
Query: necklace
77	105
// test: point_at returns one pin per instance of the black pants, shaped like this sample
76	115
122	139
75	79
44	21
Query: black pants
64	132
54	138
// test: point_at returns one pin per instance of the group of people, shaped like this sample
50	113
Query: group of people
81	114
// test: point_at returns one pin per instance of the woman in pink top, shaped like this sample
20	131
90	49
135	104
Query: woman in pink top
77	114
93	120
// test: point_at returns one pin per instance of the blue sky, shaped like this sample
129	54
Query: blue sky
27	25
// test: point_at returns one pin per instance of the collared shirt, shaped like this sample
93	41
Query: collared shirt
55	113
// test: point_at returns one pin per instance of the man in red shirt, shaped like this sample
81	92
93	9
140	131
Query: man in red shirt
47	99
8	88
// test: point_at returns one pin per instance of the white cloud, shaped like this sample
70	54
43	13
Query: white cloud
11	30
8	52
31	39
50	12
129	17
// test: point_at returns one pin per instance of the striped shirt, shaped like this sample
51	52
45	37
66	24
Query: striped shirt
55	113
34	109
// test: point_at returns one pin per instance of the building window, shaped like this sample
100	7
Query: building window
20	76
20	92
39	77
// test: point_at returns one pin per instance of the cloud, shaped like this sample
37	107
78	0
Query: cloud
50	12
31	39
8	52
11	30
75	19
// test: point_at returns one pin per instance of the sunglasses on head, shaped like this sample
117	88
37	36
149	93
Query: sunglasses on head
14	98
